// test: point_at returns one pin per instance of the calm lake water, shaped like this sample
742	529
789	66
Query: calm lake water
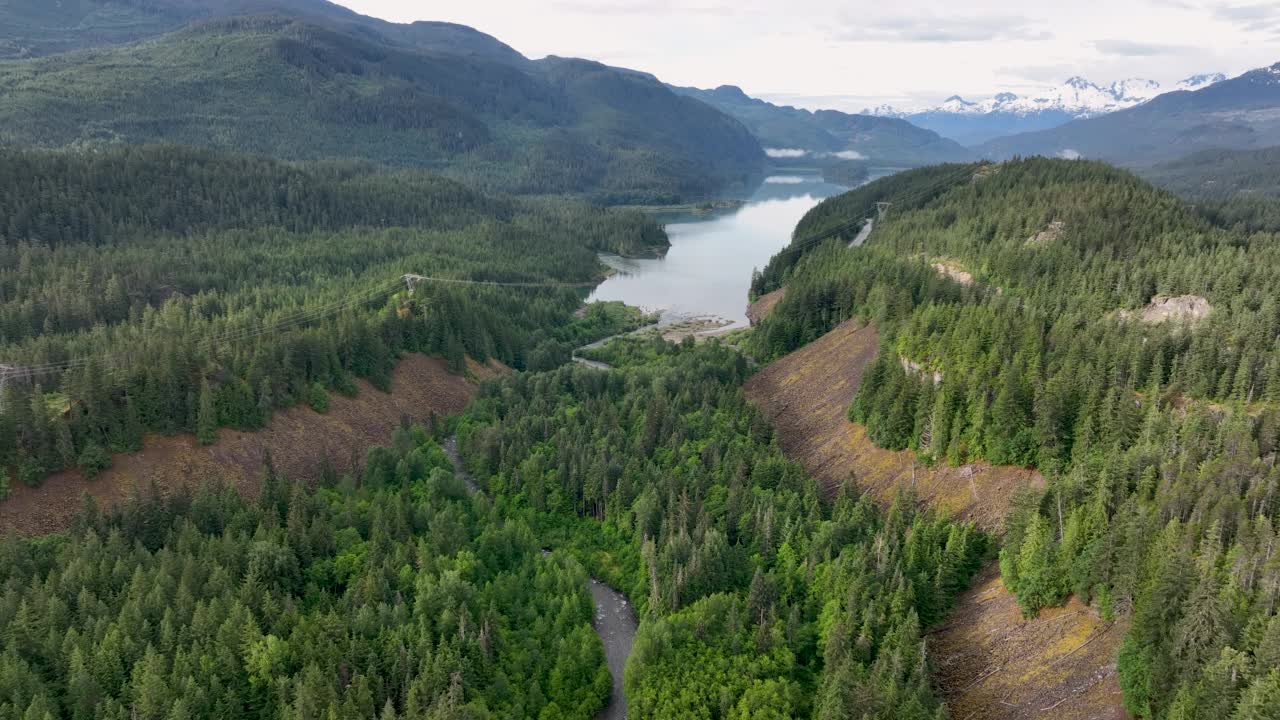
707	271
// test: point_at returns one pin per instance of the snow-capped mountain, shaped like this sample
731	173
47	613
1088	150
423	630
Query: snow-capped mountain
1236	114
1005	113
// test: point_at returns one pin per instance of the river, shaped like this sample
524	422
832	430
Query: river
707	271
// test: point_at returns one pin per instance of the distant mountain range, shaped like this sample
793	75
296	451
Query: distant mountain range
972	123
1241	113
796	135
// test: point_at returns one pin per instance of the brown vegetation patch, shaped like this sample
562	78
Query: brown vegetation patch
298	438
807	394
992	664
760	309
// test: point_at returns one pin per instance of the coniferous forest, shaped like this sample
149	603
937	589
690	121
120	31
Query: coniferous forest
161	289
213	211
1157	434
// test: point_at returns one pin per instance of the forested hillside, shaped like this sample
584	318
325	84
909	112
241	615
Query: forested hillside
302	88
163	289
761	598
34	28
389	594
1070	316
1221	174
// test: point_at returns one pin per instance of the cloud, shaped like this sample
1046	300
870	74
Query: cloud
921	29
849	155
1131	48
640	7
1257	17
1070	154
785	152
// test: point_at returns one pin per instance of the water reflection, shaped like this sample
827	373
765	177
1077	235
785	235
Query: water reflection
707	271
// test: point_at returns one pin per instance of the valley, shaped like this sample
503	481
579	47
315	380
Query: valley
355	368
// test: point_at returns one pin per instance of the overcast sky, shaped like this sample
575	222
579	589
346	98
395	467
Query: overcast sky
849	54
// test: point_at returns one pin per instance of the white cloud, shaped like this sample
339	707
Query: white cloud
853	54
849	155
785	152
1069	154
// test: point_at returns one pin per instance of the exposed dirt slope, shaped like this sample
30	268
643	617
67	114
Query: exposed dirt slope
807	394
298	438
760	309
990	663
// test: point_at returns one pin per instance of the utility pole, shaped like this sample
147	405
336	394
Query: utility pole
7	373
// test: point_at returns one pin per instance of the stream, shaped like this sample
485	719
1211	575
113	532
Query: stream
614	620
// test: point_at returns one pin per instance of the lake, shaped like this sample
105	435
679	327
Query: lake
707	271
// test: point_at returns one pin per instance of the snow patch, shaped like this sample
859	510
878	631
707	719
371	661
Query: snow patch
1076	96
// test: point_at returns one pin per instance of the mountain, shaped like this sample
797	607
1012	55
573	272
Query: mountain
1240	113
1220	174
428	95
788	132
972	123
38	27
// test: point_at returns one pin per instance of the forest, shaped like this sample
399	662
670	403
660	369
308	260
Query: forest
297	84
759	597
1157	434
168	290
388	593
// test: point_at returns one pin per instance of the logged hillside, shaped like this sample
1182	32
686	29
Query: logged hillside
301	443
169	290
307	89
829	135
1112	338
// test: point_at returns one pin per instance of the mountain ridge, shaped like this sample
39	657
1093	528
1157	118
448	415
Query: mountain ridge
1235	114
1007	113
306	89
793	133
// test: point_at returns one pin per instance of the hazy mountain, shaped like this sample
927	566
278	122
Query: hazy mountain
434	95
1221	174
43	27
1240	113
791	133
1007	113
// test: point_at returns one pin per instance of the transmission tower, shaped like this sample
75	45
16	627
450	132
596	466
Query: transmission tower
882	208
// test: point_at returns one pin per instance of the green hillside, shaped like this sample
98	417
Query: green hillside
1110	336
296	90
209	290
36	27
1221	174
